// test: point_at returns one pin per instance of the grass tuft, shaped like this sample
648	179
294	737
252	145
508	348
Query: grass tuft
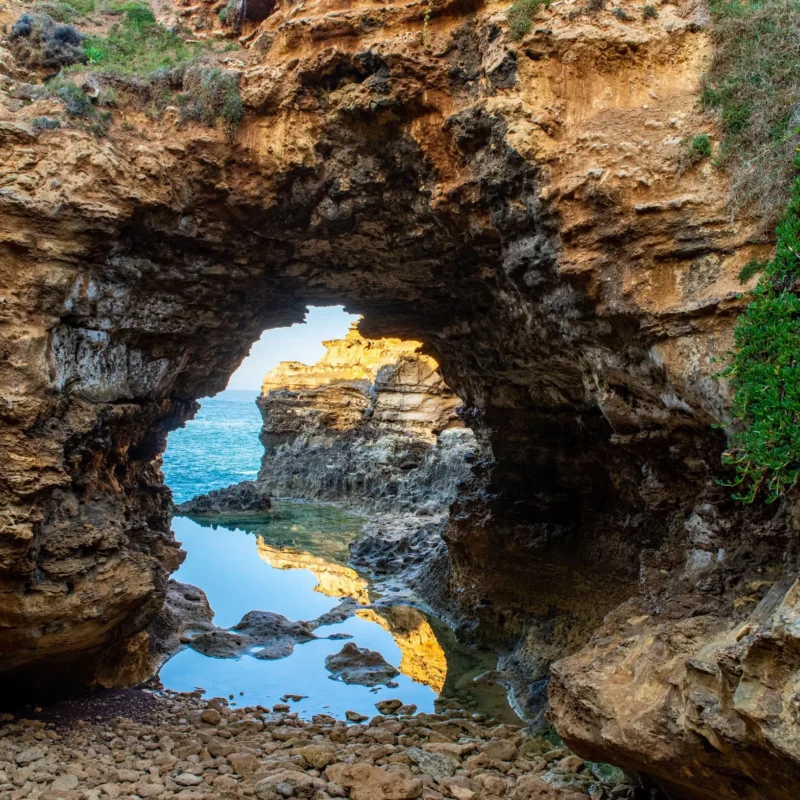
754	85
520	15
138	45
211	94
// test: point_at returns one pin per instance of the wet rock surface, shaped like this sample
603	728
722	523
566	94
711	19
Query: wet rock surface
360	665
185	748
262	634
244	497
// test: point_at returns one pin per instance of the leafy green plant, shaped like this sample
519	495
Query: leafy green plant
765	372
621	14
649	12
520	15
699	148
425	20
752	268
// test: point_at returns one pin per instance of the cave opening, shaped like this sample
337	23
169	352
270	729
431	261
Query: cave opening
310	496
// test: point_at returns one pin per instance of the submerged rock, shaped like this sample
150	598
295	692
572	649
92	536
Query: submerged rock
262	634
353	664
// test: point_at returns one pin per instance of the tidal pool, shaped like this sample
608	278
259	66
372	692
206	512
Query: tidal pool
294	561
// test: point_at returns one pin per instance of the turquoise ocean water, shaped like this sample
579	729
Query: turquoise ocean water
218	447
294	561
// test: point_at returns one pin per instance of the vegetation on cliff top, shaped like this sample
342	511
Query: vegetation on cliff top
147	62
520	16
138	45
754	85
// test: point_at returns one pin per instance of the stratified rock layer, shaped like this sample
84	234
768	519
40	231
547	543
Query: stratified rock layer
515	205
371	423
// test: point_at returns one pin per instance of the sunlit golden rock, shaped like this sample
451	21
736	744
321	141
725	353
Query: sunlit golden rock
424	659
335	580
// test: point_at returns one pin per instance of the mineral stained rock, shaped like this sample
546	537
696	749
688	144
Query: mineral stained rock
516	206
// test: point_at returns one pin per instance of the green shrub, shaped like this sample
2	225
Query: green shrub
45	123
753	85
621	14
211	94
752	268
765	372
76	103
649	12
67	10
520	15
230	14
700	148
38	42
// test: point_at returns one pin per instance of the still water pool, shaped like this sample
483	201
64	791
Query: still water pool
294	561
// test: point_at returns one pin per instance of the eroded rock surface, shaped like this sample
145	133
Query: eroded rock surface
262	634
372	423
244	497
515	205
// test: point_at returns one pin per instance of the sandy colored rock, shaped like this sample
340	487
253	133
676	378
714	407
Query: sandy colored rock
243	763
366	782
211	716
318	756
501	750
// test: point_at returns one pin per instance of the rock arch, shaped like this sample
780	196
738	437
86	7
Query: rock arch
482	199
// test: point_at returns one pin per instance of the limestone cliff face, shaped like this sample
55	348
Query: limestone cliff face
371	423
517	207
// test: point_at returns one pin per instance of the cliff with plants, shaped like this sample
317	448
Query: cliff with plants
572	205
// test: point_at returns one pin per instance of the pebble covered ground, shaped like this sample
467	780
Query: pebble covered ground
140	744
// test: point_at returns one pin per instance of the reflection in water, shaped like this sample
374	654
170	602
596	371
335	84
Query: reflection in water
334	580
302	559
423	658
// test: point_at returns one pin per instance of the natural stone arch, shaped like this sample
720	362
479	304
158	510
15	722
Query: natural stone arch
444	200
175	292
